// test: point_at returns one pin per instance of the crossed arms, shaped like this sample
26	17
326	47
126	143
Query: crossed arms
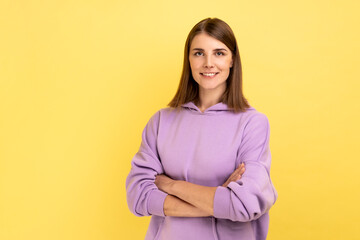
187	199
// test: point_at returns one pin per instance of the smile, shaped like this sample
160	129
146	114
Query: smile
209	75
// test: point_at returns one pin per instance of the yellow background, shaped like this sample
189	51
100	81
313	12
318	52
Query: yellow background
80	79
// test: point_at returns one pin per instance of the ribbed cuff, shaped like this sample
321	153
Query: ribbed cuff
156	202
222	202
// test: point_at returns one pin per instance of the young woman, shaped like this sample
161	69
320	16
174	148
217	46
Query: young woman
189	173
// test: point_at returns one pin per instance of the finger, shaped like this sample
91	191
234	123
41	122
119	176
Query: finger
240	166
233	177
225	184
237	177
235	173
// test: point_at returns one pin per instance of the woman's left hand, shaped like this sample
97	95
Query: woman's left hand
163	182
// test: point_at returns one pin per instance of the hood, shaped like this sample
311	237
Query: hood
219	107
214	109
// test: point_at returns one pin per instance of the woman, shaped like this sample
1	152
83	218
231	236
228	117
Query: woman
189	173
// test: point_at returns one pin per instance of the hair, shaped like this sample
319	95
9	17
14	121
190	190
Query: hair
188	89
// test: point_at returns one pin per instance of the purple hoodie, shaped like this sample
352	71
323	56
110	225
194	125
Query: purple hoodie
205	148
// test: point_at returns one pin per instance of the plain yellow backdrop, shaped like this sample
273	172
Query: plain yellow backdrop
80	79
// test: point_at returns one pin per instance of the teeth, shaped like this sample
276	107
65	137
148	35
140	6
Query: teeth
209	74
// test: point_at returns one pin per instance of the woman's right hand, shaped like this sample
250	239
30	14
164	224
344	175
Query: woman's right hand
236	175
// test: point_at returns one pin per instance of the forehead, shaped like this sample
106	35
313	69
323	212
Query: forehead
205	41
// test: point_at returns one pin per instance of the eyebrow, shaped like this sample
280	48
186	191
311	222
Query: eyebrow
200	49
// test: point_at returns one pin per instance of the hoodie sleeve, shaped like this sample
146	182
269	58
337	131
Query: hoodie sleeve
143	196
252	195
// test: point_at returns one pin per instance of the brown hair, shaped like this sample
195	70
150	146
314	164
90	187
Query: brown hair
188	89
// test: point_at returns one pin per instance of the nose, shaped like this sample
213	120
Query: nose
208	62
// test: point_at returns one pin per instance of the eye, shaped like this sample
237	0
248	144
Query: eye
221	53
196	54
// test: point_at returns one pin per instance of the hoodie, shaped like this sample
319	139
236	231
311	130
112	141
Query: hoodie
205	148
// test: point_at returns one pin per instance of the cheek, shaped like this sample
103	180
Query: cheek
225	65
195	64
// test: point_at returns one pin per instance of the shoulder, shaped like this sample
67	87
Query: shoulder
170	112
255	119
258	117
161	114
257	128
153	120
253	115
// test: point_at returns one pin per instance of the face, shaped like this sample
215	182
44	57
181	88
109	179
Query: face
210	62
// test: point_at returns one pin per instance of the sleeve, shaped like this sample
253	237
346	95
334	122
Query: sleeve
142	195
252	195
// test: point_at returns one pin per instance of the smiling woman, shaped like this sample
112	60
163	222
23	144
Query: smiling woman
211	47
203	167
211	62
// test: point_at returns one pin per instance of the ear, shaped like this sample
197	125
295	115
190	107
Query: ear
231	64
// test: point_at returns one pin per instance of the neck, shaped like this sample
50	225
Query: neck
208	98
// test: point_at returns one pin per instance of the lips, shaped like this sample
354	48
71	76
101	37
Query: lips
209	74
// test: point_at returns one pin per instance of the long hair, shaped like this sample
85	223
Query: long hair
188	89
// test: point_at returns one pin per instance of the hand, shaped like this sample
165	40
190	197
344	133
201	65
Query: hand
236	175
163	182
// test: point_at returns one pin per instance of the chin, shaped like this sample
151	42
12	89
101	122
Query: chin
209	87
